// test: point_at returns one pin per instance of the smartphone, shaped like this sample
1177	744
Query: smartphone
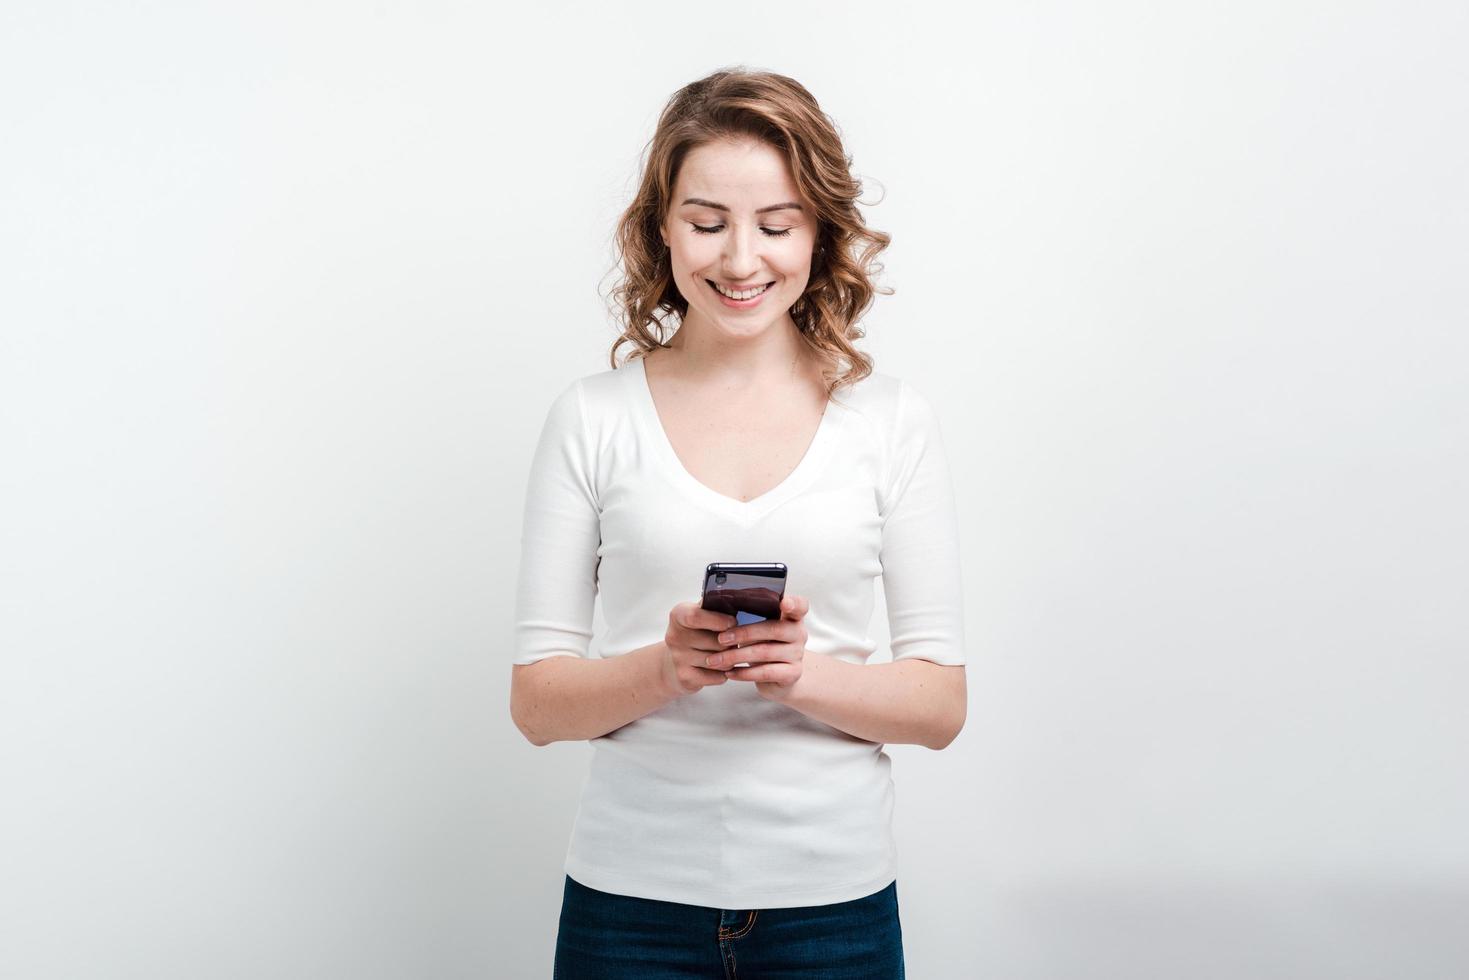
748	592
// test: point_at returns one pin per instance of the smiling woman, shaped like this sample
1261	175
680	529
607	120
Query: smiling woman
738	255
739	804
789	179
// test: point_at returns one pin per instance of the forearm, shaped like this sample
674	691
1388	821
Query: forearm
891	703
572	699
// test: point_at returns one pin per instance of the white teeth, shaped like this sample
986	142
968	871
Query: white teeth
743	293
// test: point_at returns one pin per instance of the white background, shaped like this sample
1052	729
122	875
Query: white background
286	289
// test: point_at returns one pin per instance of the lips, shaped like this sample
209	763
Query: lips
739	293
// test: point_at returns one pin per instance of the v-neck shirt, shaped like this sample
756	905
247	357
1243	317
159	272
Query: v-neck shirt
722	798
703	495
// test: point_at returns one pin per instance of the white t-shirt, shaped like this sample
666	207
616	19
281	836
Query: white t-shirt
722	798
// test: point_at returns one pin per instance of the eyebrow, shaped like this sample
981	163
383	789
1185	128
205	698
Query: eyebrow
788	205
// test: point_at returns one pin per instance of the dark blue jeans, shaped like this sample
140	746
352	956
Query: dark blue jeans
618	937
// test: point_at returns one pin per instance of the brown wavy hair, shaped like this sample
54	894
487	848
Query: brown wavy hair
731	104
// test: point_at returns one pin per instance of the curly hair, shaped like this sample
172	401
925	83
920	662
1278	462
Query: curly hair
731	104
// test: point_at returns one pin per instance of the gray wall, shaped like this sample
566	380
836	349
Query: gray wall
285	290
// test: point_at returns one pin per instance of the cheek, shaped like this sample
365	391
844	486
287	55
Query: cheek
796	251
691	256
794	264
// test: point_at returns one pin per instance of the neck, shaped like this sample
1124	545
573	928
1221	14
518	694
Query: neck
775	355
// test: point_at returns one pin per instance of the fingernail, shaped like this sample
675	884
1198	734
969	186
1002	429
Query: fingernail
710	661
725	637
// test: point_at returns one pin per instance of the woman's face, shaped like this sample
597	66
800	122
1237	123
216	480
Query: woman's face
736	222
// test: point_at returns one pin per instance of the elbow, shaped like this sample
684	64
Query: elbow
525	729
946	742
522	711
951	732
531	736
953	708
940	746
518	716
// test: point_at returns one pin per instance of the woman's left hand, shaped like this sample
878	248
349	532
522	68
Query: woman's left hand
773	648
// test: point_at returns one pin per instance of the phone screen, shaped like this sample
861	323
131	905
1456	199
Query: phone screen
749	593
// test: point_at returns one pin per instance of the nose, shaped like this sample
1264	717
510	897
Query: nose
741	254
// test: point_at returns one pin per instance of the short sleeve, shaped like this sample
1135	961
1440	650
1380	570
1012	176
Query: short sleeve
559	539
921	575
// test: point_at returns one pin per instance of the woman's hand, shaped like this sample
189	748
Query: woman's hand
773	648
690	639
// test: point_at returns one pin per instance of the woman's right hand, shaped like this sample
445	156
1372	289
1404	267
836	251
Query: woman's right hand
692	635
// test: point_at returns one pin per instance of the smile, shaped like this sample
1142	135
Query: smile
739	294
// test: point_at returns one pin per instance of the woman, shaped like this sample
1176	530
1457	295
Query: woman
737	815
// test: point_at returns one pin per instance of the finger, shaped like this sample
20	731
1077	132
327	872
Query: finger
708	619
691	615
794	607
700	639
708	677
770	630
779	673
758	653
704	642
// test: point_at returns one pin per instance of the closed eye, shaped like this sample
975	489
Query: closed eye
771	232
